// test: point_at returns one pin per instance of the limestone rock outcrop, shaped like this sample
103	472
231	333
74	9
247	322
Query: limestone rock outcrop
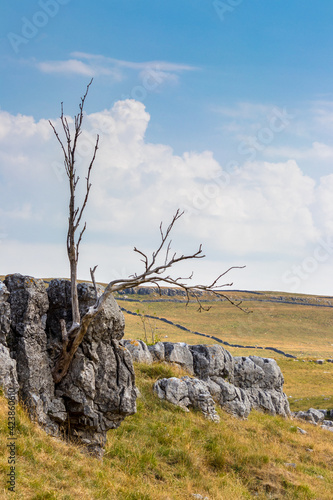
180	354
312	415
139	351
187	392
212	362
237	384
157	351
98	391
28	345
8	374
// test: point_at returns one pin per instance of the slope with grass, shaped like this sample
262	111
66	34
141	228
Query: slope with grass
162	453
302	330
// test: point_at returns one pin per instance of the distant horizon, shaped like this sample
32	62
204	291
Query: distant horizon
151	285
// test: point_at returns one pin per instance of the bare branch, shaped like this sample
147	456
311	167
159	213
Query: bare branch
79	118
155	268
92	274
64	333
62	146
153	272
80	238
88	182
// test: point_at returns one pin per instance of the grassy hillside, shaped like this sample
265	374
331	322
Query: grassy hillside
301	330
162	453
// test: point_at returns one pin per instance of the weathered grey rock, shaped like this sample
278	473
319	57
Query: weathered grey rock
139	351
179	353
174	390
187	392
157	351
212	361
269	401
201	398
231	398
329	423
29	304
237	384
311	415
8	374
99	389
4	315
247	374
327	427
272	376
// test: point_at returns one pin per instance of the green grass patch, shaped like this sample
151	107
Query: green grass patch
162	452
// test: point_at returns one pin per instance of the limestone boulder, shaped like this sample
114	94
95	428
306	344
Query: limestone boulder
237	384
157	351
312	415
212	361
28	346
139	351
231	398
269	401
4	315
273	378
8	373
186	392
180	354
99	389
253	371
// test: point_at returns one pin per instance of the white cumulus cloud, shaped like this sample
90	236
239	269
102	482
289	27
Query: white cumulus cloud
261	213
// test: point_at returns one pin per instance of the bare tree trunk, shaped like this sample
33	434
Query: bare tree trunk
75	212
71	343
72	254
74	296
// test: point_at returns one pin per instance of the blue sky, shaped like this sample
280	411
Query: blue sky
222	108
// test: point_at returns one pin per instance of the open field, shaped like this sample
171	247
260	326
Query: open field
162	453
303	331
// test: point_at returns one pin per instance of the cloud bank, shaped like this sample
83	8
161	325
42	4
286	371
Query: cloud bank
268	215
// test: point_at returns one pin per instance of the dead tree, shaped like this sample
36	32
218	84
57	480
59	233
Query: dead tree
155	269
75	212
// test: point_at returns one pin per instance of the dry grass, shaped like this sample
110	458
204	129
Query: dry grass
162	453
304	331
